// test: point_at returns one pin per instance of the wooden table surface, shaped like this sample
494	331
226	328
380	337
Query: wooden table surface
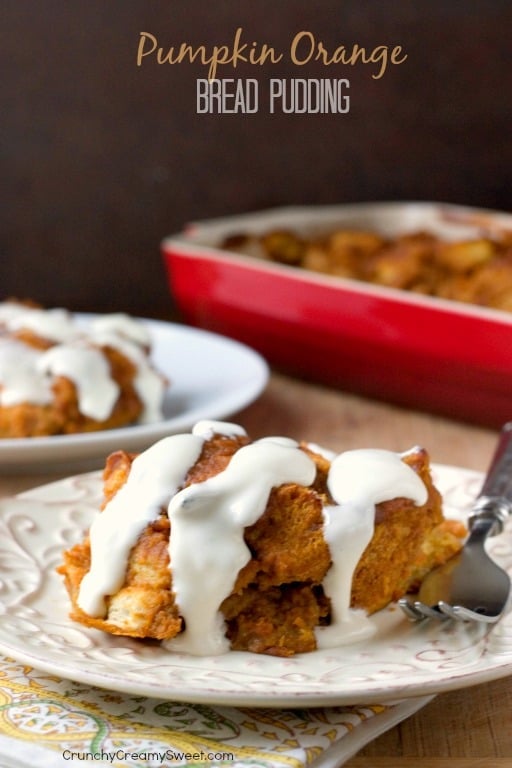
471	727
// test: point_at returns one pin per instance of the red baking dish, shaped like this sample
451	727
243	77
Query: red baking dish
417	351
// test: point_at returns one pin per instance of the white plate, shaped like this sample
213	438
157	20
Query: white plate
401	661
211	377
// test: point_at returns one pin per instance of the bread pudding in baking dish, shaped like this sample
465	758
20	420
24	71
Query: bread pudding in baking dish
210	541
475	270
58	376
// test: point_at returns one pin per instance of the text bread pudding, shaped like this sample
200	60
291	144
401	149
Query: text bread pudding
209	541
58	376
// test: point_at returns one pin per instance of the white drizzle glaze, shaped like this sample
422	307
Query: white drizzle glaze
89	370
9	311
207	548
148	383
155	475
121	325
207	429
357	481
321	451
53	324
19	379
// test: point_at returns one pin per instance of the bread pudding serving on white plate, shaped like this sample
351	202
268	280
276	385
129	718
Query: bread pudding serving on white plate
61	376
210	541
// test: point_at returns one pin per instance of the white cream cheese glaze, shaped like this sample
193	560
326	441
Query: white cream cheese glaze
20	380
357	481
122	325
56	325
207	428
89	371
148	383
155	475
207	548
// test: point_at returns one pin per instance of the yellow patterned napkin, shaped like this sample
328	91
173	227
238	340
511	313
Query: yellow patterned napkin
51	722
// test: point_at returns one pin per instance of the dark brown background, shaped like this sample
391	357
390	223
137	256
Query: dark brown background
101	159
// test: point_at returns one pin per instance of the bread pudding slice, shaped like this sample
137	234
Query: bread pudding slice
248	547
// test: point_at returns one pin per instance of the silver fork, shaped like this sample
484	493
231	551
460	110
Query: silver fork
470	586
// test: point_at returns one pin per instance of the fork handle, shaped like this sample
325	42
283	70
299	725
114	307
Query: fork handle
495	499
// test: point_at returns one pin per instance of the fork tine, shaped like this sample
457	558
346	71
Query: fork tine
410	611
451	611
418	611
461	613
429	612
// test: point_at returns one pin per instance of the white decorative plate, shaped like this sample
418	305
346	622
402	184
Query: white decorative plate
401	660
210	377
